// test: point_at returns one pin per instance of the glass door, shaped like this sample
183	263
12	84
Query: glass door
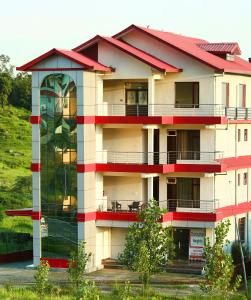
136	99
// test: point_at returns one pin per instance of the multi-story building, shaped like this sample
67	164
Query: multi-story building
143	114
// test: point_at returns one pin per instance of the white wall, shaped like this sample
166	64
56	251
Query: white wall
117	241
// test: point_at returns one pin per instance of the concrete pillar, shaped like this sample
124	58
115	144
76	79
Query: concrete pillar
151	95
149	188
37	253
150	140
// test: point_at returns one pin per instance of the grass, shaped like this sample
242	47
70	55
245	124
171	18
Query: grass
15	145
15	174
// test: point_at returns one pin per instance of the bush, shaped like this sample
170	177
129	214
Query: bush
41	278
236	252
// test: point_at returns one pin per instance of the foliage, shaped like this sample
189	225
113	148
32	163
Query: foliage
88	291
5	66
41	278
143	264
123	292
236	252
77	266
5	88
21	92
219	267
158	242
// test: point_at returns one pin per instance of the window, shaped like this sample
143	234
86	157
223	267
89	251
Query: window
239	179
136	99
245	135
225	94
241	227
239	135
242	95
245	178
187	94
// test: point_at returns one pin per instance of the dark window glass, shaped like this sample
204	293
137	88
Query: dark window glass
187	94
239	135
245	178
245	135
241	226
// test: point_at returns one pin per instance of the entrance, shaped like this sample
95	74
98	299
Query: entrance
181	240
136	99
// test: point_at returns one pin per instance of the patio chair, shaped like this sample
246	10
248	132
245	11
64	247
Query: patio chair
134	206
116	206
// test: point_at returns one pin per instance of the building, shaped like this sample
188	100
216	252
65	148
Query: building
119	120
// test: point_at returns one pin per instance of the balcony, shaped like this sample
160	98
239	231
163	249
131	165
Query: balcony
158	158
157	110
172	205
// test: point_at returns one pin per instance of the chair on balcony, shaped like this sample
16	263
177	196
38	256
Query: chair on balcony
116	206
134	206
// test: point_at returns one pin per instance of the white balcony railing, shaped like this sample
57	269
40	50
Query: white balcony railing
172	205
117	109
158	158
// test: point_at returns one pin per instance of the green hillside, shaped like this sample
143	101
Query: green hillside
15	158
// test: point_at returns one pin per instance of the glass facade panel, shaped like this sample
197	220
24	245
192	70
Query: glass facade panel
58	159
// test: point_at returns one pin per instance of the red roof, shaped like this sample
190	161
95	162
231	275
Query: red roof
218	48
82	60
133	51
188	45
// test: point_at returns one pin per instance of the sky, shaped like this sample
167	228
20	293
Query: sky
28	28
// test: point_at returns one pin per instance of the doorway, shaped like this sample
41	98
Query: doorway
181	238
136	99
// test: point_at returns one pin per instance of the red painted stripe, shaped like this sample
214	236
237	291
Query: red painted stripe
235	163
134	168
239	121
56	262
35	119
85	217
82	168
233	210
35	167
86	120
193	216
117	216
19	213
36	215
199	120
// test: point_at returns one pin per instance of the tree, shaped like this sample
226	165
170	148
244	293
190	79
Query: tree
5	88
148	244
5	66
219	269
77	266
21	92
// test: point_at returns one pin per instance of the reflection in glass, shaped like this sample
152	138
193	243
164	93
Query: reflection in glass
58	159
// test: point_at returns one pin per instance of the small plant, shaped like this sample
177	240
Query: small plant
41	278
77	266
87	291
122	291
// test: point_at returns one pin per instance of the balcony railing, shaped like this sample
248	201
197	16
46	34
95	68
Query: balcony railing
187	205
158	158
172	205
107	109
219	110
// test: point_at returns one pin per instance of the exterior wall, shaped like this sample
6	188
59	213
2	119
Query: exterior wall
103	244
124	190
234	81
124	140
126	66
117	241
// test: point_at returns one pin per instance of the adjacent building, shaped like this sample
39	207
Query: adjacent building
144	114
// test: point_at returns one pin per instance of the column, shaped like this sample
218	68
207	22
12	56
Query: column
151	95
150	141
149	188
36	192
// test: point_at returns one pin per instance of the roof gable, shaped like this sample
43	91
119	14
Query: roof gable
84	62
139	54
188	46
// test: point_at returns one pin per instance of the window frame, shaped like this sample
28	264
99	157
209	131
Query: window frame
245	135
245	178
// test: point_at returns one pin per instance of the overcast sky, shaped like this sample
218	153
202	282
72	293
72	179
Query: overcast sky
29	28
